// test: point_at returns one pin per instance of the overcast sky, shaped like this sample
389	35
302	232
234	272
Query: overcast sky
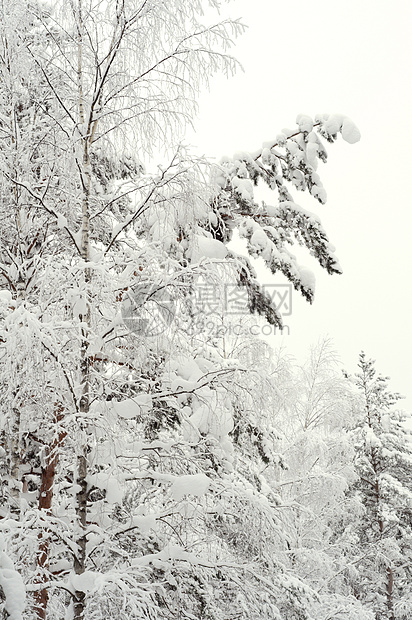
352	57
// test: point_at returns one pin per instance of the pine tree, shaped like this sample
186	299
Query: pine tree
383	457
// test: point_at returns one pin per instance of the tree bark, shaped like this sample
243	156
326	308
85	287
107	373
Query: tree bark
48	473
15	461
389	593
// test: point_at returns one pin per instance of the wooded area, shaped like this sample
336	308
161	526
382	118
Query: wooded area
152	466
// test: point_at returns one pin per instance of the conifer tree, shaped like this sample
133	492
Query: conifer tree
383	457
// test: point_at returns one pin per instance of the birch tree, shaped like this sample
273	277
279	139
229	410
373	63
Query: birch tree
103	71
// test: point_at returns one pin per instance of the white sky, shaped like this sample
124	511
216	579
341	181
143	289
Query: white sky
352	57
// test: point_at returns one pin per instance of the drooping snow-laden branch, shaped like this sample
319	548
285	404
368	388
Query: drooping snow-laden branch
290	160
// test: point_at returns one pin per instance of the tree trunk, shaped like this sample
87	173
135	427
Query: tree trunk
48	473
82	462
389	593
15	461
85	318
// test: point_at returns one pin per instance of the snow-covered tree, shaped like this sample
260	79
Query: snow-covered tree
126	479
323	394
312	487
74	75
383	456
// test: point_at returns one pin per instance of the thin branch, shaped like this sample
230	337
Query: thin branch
44	206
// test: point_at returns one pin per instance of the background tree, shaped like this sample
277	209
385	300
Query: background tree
312	486
382	460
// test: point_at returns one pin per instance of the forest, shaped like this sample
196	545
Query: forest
158	458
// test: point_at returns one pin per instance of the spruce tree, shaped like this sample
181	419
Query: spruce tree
383	458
